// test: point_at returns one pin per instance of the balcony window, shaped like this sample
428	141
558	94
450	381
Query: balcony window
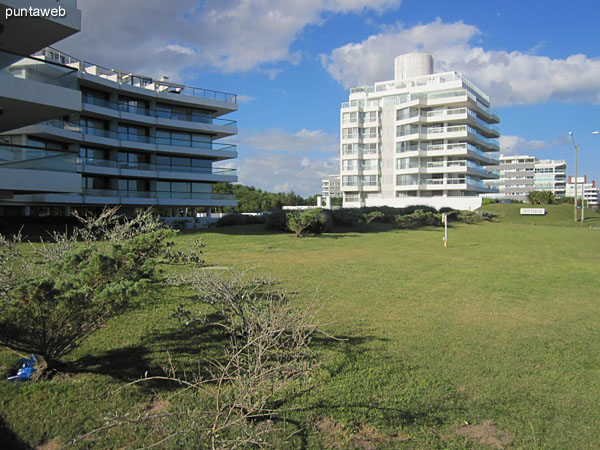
405	130
133	133
370	164
349	117
349	149
349	133
368	149
407	180
350	164
369	180
407	163
369	133
133	105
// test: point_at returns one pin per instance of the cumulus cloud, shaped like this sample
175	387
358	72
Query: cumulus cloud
282	172
163	38
279	161
509	77
513	145
277	139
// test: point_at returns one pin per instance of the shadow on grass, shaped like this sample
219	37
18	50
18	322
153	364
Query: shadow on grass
188	346
9	440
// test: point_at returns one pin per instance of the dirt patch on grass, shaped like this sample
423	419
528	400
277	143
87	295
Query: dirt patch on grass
364	437
487	433
51	445
158	406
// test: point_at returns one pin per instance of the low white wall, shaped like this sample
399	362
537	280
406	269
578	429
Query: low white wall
463	203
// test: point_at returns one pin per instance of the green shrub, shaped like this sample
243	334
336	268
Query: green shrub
467	216
49	304
488	201
239	219
419	218
314	220
489	216
276	220
323	222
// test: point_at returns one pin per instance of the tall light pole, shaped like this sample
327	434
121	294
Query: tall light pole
575	197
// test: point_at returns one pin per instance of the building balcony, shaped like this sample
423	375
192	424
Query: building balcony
73	132
106	196
93	74
29	169
455	167
33	90
147	116
157	171
463	183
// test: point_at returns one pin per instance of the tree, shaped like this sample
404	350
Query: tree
53	302
541	197
299	222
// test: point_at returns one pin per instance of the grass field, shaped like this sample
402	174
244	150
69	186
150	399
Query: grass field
500	326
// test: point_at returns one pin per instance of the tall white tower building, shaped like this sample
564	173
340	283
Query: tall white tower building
422	138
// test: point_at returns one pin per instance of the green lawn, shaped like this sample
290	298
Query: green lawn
501	325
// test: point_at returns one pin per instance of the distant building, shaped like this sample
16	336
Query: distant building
590	190
518	175
330	186
550	175
422	138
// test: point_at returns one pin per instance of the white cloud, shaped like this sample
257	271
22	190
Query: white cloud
276	139
509	77
282	172
243	98
513	145
163	38
279	161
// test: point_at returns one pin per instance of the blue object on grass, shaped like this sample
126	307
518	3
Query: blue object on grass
26	370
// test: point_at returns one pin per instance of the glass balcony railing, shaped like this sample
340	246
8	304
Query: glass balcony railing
158	195
160	86
101	132
156	167
32	158
158	113
40	70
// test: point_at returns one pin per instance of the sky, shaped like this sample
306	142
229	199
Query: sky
292	63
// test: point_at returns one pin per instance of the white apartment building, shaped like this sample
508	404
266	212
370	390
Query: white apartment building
422	138
590	190
550	175
330	186
521	174
73	133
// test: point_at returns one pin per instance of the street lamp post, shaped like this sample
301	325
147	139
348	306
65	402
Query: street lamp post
575	197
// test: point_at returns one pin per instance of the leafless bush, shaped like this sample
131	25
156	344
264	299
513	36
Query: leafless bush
267	356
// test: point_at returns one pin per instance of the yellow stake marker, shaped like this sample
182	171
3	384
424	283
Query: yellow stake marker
445	220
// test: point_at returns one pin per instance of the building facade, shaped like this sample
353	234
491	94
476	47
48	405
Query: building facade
422	138
589	190
330	186
521	174
550	175
110	138
515	177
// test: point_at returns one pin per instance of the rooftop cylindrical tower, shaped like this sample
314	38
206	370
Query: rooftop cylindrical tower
412	65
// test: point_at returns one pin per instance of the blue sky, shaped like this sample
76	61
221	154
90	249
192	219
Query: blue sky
292	61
